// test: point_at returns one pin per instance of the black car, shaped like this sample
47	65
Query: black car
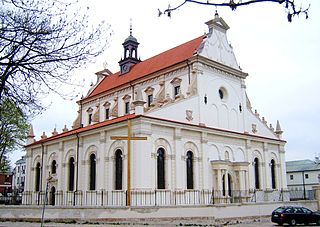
295	215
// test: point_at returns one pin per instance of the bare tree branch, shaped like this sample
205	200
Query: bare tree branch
290	6
41	45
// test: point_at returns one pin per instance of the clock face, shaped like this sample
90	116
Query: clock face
125	68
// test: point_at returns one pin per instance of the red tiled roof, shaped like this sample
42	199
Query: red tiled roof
161	61
87	128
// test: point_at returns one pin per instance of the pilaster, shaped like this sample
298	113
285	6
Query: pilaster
61	169
101	182
282	169
43	168
80	168
178	176
202	163
267	170
29	183
250	160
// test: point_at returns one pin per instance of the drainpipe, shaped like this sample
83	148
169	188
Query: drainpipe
304	186
189	79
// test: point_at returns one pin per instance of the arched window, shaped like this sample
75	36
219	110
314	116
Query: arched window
54	167
256	173
161	168
229	185
71	174
126	53
118	168
273	174
133	53
38	175
189	170
92	172
226	156
52	197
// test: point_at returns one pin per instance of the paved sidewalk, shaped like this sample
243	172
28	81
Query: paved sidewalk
30	224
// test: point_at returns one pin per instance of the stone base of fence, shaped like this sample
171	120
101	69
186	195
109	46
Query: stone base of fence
197	214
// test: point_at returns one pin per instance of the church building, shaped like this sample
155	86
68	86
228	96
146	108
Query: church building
175	129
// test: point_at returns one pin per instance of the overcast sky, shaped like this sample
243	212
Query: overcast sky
281	59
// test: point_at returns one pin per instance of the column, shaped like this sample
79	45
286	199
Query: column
219	180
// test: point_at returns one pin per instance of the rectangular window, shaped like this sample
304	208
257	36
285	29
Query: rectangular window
107	114
89	118
176	90
307	176
291	177
150	100
127	108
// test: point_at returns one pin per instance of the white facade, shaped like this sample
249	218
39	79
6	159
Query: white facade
19	173
302	176
204	143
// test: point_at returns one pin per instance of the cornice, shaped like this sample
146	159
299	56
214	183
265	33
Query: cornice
219	67
215	131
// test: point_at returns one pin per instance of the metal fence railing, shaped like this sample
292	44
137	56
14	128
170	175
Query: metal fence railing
159	197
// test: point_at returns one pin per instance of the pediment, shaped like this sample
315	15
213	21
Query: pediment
176	81
149	90
107	104
126	98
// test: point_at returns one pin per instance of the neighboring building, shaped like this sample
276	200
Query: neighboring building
193	136
5	184
19	173
302	175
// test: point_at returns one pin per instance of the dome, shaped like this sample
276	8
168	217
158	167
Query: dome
131	38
